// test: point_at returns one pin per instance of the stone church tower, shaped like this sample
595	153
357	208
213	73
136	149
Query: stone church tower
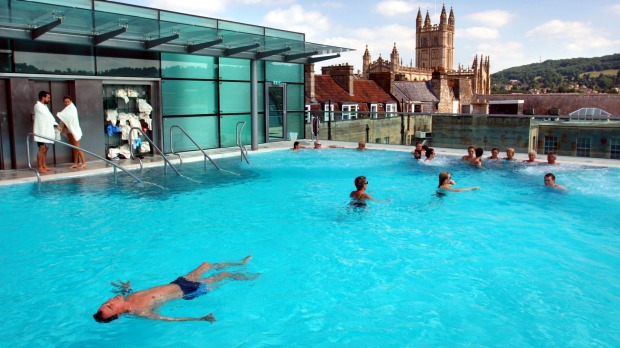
435	43
434	52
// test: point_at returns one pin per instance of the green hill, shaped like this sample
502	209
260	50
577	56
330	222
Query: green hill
600	74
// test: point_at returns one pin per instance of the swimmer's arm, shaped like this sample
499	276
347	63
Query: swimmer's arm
336	146
209	317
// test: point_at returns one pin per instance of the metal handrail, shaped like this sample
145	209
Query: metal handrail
244	151
166	161
197	146
73	147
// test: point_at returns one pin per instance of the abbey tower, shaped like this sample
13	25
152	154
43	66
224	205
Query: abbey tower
434	52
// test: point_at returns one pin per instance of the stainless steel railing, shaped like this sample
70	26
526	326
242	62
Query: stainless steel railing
32	135
195	143
131	146
244	151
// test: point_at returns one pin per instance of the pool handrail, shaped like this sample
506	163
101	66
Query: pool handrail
131	141
32	135
244	151
195	143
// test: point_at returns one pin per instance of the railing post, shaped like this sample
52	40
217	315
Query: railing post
367	133
329	128
402	129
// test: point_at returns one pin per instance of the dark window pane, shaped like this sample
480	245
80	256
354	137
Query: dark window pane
112	62
53	58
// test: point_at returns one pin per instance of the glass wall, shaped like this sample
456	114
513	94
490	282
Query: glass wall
113	62
188	97
200	128
53	58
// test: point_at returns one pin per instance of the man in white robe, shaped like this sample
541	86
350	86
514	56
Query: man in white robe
44	124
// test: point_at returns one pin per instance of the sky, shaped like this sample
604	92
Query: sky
511	33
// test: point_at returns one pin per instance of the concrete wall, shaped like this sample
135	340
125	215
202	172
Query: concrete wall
461	131
380	128
600	135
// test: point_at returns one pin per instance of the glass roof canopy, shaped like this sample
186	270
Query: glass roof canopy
115	25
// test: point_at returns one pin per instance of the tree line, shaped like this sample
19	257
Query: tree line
575	75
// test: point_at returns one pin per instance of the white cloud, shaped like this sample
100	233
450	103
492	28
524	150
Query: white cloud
296	18
616	8
560	29
572	36
394	7
494	18
502	55
478	33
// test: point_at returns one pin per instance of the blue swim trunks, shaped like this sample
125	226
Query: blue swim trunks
190	289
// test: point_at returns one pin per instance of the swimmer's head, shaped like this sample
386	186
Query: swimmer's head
360	182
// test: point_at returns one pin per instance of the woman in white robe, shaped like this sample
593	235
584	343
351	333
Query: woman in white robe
69	118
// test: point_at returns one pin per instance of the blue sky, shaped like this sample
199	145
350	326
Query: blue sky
512	33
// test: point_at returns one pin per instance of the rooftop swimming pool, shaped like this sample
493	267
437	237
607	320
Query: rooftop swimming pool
513	264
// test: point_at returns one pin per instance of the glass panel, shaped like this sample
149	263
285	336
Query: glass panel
295	123
6	54
85	4
295	97
284	72
202	129
260	66
261	98
276	104
135	11
284	34
187	19
111	62
187	66
615	149
234	69
241	28
228	130
235	97
40	58
184	97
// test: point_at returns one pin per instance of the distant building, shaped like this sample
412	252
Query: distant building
434	53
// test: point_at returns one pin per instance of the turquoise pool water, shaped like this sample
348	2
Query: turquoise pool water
513	264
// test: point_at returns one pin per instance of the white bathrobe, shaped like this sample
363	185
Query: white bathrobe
44	123
69	116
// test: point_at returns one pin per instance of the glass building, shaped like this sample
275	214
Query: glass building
127	66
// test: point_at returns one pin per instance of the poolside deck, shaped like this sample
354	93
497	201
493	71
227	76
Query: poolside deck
62	171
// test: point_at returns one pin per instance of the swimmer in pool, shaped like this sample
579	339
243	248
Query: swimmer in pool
297	145
550	182
446	182
146	302
359	196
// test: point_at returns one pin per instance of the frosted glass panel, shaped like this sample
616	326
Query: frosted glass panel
295	97
189	97
203	129
234	69
235	97
187	66
284	72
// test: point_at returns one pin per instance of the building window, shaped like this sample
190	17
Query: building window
349	112
328	113
390	110
583	147
378	140
615	149
551	144
386	140
417	108
373	110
